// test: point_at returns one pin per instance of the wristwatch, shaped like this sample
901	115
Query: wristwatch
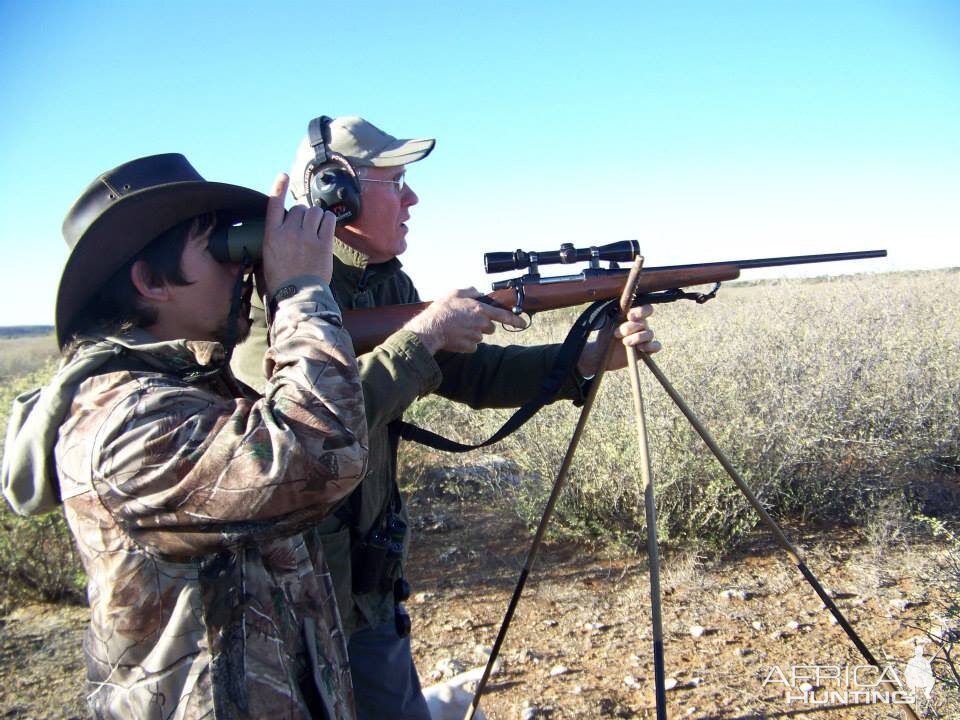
281	294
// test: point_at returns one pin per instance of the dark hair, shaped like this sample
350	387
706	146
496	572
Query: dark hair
117	306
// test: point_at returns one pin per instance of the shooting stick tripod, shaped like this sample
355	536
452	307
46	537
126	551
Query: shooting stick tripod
651	519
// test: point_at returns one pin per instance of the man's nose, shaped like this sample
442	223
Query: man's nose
409	196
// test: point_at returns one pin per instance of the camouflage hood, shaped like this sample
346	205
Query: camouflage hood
29	474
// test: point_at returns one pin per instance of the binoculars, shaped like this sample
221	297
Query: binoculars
238	243
242	241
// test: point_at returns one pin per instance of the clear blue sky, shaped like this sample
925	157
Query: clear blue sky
707	130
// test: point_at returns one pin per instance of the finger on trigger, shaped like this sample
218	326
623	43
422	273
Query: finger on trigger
506	317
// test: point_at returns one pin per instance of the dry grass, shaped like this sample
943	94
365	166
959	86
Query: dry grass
22	355
827	396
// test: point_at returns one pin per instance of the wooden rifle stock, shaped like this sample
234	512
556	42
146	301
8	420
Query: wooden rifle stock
370	327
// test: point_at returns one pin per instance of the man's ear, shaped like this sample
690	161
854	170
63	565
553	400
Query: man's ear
140	276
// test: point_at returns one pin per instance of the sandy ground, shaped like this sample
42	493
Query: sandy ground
739	632
737	629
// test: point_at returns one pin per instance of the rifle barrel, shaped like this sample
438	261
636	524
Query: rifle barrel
791	260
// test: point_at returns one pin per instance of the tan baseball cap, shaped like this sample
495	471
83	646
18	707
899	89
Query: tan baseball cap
363	144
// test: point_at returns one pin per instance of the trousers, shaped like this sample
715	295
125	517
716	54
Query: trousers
385	680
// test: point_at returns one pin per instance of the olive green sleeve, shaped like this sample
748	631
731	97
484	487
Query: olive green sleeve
500	377
394	374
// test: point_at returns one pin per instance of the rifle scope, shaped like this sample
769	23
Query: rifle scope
624	250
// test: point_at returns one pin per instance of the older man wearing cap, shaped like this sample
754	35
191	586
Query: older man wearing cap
439	351
185	494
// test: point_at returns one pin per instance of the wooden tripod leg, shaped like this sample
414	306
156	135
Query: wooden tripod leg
653	548
649	501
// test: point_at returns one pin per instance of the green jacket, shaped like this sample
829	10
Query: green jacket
393	375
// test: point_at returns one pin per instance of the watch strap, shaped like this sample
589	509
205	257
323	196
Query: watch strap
281	294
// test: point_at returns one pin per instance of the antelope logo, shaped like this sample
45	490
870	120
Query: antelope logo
918	674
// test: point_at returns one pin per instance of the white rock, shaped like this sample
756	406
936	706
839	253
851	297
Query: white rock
631	682
577	690
529	713
559	670
422	597
734	595
670	683
900	605
590	626
758	626
450	699
448	554
697	631
550	623
805	687
482	652
450	666
793	625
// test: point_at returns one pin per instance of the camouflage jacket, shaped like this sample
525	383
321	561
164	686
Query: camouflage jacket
394	375
188	503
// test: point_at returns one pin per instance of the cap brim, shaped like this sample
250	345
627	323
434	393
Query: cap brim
401	152
129	225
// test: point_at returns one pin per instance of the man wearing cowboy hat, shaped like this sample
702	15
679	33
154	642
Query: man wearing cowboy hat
186	496
438	351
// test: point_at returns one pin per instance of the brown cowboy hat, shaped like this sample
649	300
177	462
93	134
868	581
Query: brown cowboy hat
123	210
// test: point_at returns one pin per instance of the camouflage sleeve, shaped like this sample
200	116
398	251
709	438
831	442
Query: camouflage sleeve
188	472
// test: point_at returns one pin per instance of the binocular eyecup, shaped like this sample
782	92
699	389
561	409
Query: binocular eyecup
242	243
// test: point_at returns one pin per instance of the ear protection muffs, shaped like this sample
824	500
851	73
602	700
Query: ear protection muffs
329	179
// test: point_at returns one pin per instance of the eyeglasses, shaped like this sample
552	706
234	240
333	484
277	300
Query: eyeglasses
400	182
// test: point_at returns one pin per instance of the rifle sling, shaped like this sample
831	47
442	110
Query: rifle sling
593	318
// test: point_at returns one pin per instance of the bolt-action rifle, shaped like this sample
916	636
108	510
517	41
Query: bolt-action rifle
531	293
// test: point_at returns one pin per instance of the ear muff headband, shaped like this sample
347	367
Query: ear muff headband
329	179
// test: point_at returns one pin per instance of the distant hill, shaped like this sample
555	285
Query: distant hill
13	331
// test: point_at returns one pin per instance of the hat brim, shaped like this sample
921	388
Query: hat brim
401	152
129	225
